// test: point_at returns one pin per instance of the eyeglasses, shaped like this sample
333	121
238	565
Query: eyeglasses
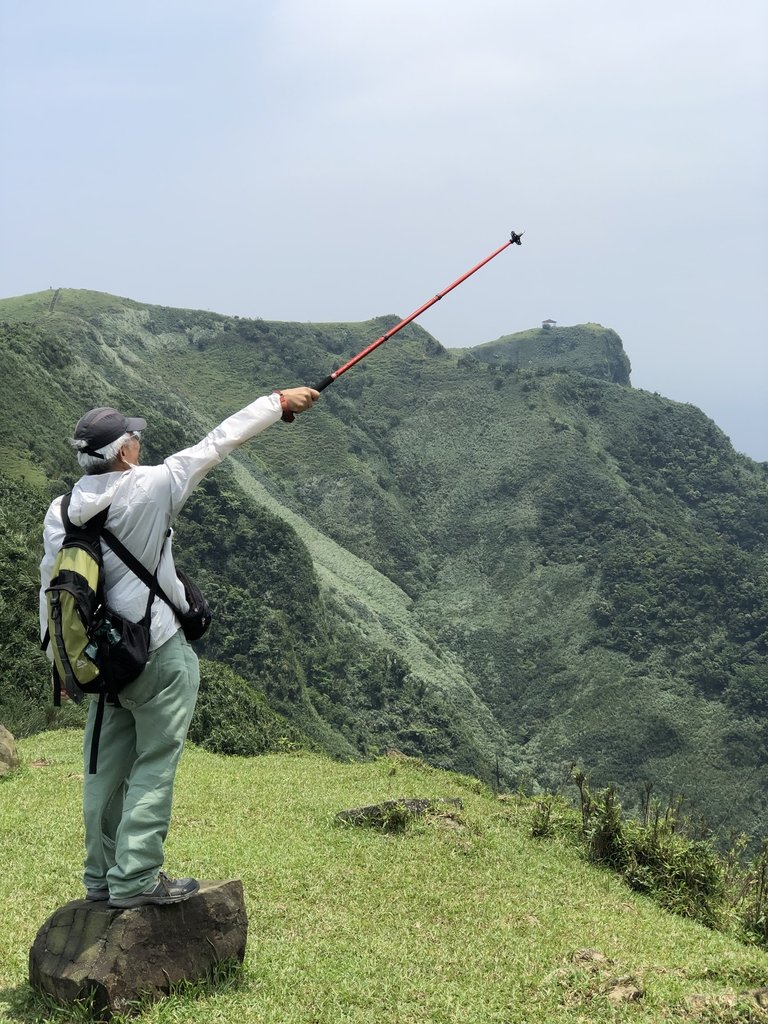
136	435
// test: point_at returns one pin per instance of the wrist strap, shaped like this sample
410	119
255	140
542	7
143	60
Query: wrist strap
287	416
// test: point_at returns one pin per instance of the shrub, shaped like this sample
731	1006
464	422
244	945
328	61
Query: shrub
655	856
233	718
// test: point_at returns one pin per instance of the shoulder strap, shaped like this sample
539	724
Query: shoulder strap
93	526
137	568
122	552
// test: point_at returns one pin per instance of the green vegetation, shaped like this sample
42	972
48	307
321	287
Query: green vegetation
504	565
234	718
459	919
667	856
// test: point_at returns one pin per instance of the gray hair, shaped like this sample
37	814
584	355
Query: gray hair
103	461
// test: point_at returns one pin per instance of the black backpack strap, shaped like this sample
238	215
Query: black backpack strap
56	685
137	568
96	524
65	510
96	733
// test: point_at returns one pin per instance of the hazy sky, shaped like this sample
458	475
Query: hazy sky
337	160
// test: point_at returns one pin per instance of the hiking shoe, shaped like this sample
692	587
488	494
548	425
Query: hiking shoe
165	890
96	894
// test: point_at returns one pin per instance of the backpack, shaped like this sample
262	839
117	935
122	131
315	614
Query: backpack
95	650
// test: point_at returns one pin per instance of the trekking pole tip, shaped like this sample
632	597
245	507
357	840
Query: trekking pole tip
516	239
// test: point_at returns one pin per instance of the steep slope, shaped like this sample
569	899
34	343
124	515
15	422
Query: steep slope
553	566
346	663
601	566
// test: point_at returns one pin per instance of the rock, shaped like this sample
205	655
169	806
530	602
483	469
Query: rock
759	996
590	956
712	1006
395	815
9	758
624	990
122	956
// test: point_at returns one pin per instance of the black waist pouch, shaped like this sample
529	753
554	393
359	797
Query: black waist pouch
196	621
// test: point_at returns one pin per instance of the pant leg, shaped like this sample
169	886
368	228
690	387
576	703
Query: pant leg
103	792
161	702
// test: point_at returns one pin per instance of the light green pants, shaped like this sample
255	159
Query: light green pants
127	803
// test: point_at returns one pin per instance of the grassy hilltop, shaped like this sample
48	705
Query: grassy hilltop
506	559
589	349
462	918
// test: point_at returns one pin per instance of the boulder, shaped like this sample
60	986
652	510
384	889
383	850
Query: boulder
9	758
118	957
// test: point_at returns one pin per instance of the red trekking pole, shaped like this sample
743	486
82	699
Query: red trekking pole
515	239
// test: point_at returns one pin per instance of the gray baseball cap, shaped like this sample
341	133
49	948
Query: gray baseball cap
102	426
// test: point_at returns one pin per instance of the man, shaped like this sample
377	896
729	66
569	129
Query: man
127	803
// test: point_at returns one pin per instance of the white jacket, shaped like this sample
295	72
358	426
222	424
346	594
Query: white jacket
143	503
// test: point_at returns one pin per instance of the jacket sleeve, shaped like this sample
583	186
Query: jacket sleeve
187	468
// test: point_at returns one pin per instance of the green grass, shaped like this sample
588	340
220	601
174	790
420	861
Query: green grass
456	920
63	300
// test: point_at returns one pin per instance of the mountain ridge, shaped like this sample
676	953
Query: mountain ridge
584	561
